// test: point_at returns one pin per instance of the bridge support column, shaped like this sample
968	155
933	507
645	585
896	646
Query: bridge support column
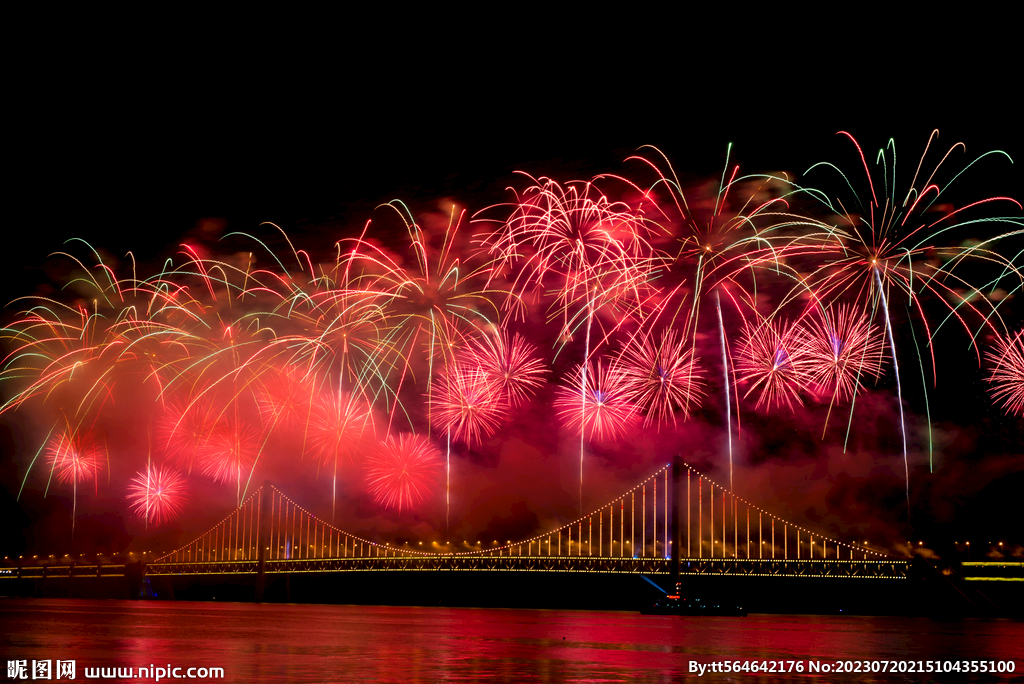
677	473
263	540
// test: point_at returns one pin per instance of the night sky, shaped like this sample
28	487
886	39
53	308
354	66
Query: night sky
141	165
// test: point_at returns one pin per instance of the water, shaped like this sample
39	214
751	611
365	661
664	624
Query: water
329	643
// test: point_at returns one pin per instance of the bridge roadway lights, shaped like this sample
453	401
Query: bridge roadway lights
806	568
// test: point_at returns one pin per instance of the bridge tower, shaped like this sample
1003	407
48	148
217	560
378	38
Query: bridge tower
674	566
263	538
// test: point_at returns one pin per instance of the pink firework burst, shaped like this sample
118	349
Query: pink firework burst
403	470
157	495
468	402
1007	378
773	360
508	362
603	410
75	457
842	348
662	377
338	425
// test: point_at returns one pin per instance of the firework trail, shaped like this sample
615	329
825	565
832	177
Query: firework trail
467	404
474	392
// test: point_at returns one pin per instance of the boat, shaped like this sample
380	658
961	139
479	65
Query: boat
673	604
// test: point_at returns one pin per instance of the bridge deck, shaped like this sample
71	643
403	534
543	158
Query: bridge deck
824	568
831	568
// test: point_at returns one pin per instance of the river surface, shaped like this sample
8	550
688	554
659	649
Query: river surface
336	643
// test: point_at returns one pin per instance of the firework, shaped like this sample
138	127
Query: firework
230	355
467	402
75	457
184	428
157	495
721	242
428	310
773	361
842	349
403	470
284	399
337	427
662	376
509	363
1007	376
890	252
603	411
230	451
597	252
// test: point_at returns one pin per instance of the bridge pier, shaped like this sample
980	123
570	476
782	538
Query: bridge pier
262	539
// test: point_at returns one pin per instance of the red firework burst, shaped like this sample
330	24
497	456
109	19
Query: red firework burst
841	348
1007	377
157	495
230	451
509	363
773	360
283	398
75	457
662	377
468	402
184	429
338	425
403	470
603	410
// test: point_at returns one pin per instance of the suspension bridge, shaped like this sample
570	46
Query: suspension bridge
677	522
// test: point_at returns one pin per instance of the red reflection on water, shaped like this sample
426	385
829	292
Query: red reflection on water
318	643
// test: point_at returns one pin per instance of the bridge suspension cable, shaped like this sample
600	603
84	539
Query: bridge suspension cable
287	531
